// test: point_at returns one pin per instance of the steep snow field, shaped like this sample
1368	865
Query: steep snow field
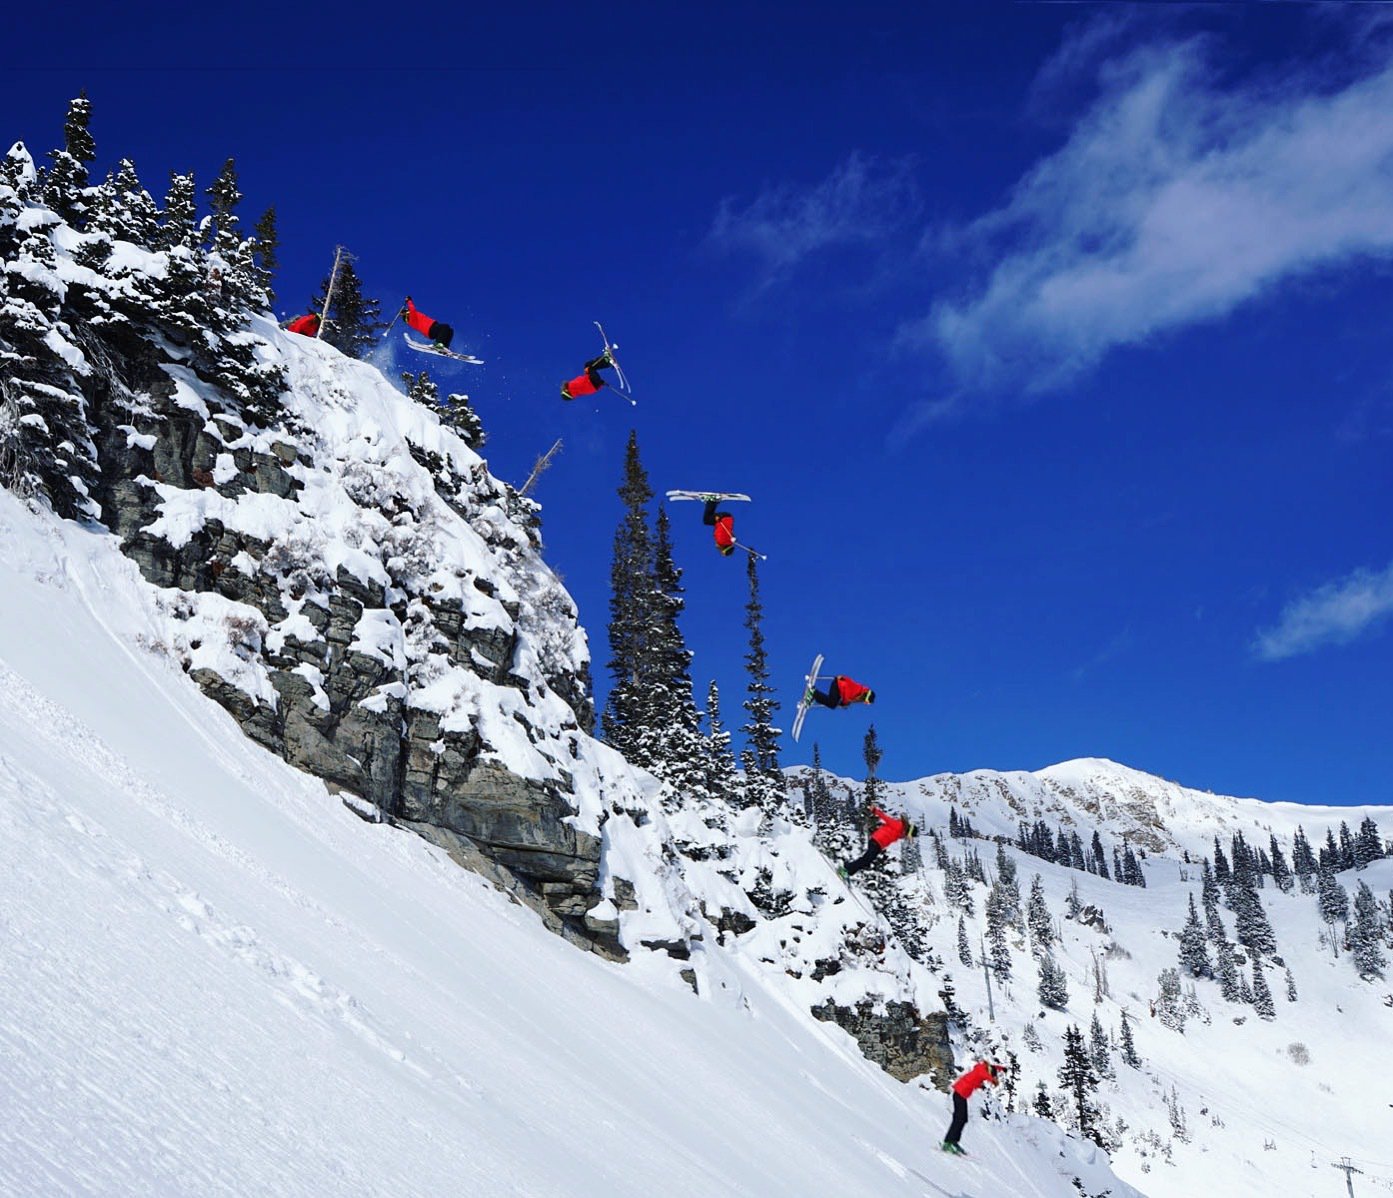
216	980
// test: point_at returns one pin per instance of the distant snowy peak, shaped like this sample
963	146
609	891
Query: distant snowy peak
1091	793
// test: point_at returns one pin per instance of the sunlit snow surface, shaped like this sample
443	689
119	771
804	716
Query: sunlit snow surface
216	980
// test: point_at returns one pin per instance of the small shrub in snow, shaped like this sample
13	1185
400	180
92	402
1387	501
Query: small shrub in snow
1299	1053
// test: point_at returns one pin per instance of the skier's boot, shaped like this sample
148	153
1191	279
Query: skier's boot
841	873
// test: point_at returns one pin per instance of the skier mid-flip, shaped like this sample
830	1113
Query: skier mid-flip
441	334
722	525
842	692
589	382
984	1072
888	830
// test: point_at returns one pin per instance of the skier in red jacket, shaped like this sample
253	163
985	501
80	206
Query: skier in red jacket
589	382
887	832
984	1072
440	333
306	326
723	526
841	693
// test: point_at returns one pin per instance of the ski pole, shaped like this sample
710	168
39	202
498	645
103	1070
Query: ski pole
764	557
393	325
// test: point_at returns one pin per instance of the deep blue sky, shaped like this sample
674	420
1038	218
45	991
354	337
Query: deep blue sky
1050	339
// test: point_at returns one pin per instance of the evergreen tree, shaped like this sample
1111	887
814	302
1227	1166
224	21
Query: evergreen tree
1330	853
632	606
1280	873
223	197
1262	996
1041	1104
1366	934
1099	1051
823	807
1037	918
66	183
354	322
1194	954
1251	926
956	888
1332	898
45	439
1131	869
1368	844
722	782
1291	985
1054	987
1221	864
764	781
127	212
266	244
1130	1057
1076	857
1209	894
1229	985
871	754
1100	858
964	948
678	745
1031	1038
998	954
1170	1003
1079	1081
1346	847
1303	861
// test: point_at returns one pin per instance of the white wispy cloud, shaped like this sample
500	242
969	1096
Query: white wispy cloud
1333	614
862	201
1175	199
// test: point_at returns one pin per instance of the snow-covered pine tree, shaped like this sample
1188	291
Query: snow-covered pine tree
1368	844
1076	857
1303	861
1291	985
1099	1050
722	779
1170	1002
1031	1038
1221	863
1366	933
1072	903
65	185
1332	899
1079	1081
1347	859
964	947
1100	857
678	748
1053	986
354	322
1209	896
1194	952
957	890
1037	918
1007	879
47	441
1130	1056
1262	994
1281	874
265	247
1230	986
632	607
764	781
1251	925
998	953
1040	1103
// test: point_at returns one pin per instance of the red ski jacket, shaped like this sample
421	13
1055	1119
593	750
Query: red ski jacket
582	384
850	691
890	830
417	320
725	533
972	1080
306	326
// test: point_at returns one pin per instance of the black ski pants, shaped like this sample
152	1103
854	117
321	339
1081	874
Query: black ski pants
873	851
710	515
441	334
955	1129
832	698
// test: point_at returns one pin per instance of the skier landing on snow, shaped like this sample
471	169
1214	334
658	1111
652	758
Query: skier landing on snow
441	334
723	526
887	832
984	1072
589	382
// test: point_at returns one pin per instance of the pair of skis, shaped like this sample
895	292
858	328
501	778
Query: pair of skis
809	685
430	347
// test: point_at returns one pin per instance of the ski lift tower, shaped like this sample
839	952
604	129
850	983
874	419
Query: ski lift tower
1350	1170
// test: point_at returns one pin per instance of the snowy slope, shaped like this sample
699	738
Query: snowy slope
218	981
1265	1107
